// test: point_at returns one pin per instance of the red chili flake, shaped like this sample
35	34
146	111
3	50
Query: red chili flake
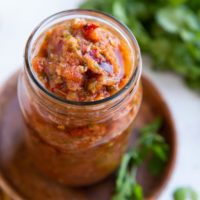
53	89
58	85
88	28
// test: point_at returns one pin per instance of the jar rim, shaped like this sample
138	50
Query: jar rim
132	80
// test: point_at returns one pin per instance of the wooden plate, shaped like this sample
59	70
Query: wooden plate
20	179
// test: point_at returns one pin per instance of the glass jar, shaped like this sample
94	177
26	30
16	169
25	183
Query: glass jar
78	143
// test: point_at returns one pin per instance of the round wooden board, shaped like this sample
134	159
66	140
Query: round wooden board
21	180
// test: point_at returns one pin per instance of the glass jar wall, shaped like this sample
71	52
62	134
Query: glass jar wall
78	143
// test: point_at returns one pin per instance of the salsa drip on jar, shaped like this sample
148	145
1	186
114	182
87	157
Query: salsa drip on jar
82	60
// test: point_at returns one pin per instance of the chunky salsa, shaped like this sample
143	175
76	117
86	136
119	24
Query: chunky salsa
82	60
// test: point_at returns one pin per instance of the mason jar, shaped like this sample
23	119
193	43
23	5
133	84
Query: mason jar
78	143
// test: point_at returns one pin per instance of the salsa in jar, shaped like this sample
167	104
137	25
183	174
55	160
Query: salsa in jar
79	93
82	60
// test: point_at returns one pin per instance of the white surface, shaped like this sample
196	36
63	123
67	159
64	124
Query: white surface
17	20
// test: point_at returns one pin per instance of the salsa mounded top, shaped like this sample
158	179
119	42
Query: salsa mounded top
82	60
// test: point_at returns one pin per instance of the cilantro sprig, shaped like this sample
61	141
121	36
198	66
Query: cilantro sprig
150	146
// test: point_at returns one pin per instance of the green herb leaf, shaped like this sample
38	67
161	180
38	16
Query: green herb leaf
177	19
151	148
137	192
185	194
119	11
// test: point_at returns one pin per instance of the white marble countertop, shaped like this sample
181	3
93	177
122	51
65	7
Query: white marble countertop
17	20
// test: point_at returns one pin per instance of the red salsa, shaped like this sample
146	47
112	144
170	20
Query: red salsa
82	60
